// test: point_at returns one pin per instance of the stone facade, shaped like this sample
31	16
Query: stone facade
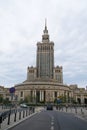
4	92
31	73
79	94
44	82
42	91
58	74
45	61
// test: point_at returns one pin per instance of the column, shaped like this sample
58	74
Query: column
66	96
76	99
34	96
58	94
82	99
40	95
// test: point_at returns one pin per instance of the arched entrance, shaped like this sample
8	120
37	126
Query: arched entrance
37	96
85	100
79	100
40	96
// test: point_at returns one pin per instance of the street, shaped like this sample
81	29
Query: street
52	120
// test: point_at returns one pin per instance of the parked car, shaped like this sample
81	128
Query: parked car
23	105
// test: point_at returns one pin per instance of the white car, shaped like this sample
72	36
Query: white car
23	105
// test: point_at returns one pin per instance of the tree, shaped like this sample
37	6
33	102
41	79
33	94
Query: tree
6	101
62	98
26	100
1	99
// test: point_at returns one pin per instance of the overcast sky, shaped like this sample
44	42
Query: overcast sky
21	27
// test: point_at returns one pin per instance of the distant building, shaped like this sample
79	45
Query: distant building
79	94
4	93
45	61
44	82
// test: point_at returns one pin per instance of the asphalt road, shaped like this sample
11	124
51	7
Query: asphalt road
52	120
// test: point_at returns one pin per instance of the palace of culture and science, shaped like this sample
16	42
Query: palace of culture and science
45	69
44	82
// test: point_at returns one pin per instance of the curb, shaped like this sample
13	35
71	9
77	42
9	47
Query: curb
15	124
81	117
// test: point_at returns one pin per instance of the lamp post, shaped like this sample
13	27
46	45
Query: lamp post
49	97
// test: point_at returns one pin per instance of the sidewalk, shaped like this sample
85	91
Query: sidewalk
24	116
78	112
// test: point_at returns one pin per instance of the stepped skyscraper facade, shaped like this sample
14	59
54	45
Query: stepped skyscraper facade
45	69
44	82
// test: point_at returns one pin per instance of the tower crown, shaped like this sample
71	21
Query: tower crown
45	36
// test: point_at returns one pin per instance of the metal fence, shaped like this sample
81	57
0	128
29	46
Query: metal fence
12	116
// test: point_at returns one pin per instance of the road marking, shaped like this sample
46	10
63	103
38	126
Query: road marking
52	123
52	127
52	119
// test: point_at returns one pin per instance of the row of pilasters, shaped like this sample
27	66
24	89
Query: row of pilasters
81	99
49	95
38	96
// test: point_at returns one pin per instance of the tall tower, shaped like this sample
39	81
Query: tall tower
45	56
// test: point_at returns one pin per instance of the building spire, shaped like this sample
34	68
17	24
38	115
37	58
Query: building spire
45	30
45	36
45	24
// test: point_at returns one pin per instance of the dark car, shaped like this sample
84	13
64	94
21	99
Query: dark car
49	107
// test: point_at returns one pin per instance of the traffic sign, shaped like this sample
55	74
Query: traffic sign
12	90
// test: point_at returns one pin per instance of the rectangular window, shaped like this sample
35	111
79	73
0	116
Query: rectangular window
55	94
21	95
